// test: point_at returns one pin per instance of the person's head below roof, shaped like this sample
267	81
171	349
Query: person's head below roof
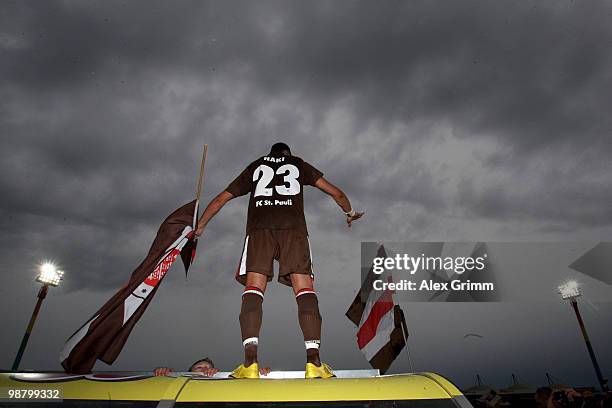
202	365
280	148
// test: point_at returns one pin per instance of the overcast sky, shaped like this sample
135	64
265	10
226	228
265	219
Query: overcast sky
449	121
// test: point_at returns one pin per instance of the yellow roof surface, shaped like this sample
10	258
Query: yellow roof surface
419	386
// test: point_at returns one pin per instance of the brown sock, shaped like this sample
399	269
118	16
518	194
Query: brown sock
310	322
312	356
250	354
250	322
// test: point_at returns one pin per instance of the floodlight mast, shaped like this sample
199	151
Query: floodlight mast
48	275
571	291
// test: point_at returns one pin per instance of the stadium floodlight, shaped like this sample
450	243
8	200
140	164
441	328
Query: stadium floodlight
570	290
49	274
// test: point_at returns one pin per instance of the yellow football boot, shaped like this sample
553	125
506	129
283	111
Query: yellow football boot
241	371
324	371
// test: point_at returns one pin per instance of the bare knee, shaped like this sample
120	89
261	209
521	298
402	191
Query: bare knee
258	280
300	282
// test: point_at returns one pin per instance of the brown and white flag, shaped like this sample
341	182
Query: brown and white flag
104	335
382	331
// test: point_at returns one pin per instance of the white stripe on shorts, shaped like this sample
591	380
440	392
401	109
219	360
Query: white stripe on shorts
311	261
243	259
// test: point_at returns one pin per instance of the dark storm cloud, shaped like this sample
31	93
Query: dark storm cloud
517	70
533	73
445	121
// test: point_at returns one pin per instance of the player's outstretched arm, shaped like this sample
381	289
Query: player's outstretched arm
211	209
340	198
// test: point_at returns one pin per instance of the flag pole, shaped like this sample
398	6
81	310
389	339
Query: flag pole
405	335
200	184
409	358
199	189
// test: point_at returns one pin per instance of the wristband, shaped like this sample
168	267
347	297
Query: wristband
350	213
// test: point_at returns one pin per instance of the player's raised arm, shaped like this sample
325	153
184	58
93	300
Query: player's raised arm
211	209
340	198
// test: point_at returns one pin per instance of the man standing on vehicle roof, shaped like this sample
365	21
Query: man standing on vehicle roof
276	230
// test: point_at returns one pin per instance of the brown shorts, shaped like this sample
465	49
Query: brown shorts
290	247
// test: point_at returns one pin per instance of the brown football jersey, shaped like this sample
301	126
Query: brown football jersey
276	184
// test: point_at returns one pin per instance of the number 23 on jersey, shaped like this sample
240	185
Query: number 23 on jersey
264	175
